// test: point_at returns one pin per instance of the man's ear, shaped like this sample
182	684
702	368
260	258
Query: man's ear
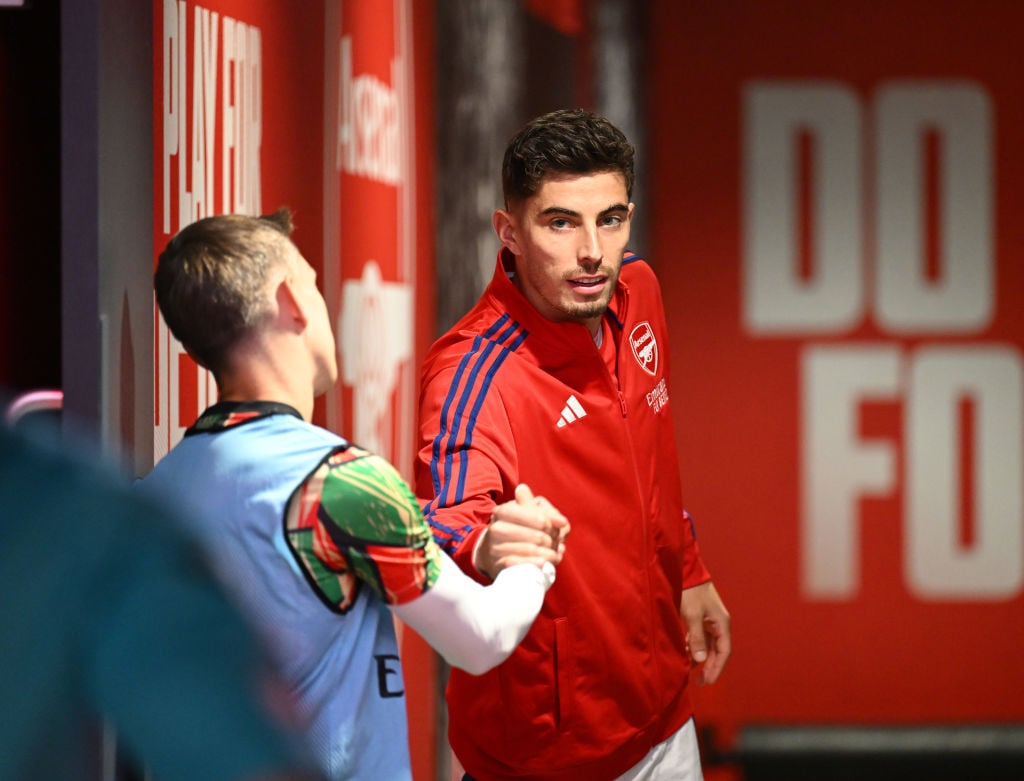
505	226
289	304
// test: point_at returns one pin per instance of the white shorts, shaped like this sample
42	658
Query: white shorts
677	758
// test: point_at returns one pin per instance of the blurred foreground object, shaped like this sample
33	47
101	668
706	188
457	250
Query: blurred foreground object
109	613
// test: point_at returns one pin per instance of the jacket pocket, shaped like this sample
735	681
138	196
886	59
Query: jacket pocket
536	701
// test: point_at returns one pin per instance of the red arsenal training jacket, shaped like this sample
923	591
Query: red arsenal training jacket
509	396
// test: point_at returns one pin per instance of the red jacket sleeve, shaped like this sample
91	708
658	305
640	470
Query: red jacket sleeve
461	473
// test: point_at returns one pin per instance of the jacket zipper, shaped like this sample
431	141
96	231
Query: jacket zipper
646	522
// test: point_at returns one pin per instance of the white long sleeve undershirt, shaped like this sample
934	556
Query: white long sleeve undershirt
476	627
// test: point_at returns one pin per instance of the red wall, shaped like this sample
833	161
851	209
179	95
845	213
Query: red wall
833	210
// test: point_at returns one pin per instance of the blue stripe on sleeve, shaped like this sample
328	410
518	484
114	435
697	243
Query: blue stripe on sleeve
500	340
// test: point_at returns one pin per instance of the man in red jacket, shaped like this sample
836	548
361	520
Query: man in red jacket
559	377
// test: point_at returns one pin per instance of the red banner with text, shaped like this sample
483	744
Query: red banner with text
835	190
370	221
238	128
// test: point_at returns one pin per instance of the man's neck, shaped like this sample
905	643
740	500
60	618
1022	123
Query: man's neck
261	386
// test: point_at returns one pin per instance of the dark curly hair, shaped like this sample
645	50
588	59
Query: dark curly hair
572	141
